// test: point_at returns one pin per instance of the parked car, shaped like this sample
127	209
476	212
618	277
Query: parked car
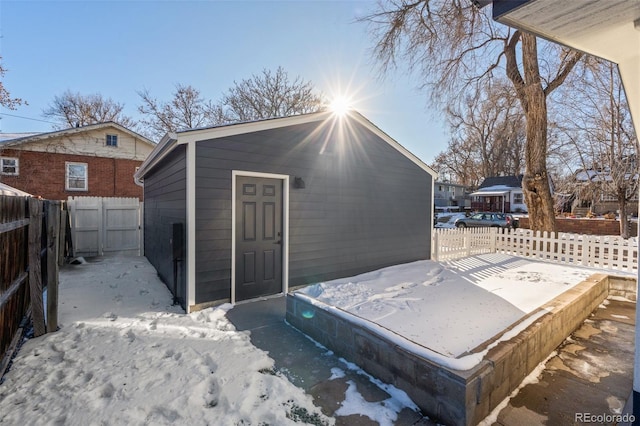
487	219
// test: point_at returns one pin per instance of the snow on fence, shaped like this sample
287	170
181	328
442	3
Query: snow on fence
607	252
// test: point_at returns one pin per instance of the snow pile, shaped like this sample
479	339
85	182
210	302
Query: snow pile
123	355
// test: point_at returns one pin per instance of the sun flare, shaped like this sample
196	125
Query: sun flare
340	105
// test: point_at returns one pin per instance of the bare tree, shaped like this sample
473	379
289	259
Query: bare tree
74	110
186	110
5	97
487	135
602	138
268	95
455	46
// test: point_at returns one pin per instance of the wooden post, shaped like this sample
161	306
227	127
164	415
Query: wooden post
436	246
493	235
35	271
53	230
62	237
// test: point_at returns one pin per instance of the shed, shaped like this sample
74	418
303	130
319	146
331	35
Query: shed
253	209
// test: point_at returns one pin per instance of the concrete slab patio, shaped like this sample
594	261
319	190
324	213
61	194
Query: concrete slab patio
591	375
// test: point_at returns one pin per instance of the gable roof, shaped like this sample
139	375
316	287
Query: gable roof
504	181
9	136
171	140
72	131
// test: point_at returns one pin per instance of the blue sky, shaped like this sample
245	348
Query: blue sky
117	48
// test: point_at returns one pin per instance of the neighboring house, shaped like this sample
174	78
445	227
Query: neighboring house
94	160
591	197
256	208
450	196
499	194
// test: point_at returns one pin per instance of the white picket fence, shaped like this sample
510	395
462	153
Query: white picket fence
606	252
101	225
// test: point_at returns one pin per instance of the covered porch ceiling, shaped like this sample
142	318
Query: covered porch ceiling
608	29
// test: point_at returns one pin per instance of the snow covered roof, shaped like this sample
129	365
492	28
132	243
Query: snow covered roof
599	176
489	193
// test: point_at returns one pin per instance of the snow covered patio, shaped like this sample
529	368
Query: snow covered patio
458	337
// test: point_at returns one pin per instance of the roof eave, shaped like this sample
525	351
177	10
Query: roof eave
162	149
75	130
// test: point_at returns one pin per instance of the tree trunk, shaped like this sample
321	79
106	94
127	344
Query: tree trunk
624	218
535	183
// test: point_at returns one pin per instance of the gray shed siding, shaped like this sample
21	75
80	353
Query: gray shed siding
165	199
364	206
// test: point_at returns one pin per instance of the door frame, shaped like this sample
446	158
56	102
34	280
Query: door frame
285	225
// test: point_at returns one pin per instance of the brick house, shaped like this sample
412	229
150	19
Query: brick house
95	160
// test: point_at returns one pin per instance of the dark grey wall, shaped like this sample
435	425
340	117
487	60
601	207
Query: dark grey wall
165	197
364	206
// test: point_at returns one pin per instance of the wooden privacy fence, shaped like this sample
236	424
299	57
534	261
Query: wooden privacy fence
102	225
606	252
31	237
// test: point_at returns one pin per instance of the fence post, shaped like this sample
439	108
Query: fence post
467	241
436	246
494	233
585	250
35	270
53	230
62	236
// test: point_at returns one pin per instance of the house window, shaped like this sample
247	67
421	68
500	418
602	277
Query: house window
112	140
9	166
76	177
517	198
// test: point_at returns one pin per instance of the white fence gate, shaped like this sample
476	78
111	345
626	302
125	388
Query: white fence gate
105	225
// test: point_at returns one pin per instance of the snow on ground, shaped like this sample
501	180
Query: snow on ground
124	355
450	308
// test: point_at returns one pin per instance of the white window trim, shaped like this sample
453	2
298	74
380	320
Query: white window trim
66	176
16	173
518	195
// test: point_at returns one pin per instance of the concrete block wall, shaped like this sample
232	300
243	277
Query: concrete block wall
626	287
439	392
452	396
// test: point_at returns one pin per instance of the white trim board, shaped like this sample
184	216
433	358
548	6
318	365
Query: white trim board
191	227
285	226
